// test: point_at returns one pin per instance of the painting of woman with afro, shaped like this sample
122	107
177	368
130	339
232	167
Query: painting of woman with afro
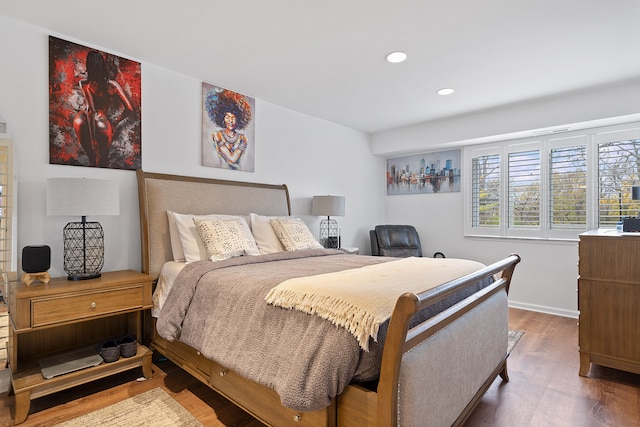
227	129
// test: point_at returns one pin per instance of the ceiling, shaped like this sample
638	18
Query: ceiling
327	58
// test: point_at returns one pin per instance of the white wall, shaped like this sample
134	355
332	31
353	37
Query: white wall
311	156
545	280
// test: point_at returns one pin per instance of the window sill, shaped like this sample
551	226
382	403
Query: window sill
527	239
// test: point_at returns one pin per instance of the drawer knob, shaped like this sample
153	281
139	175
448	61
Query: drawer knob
297	417
223	373
93	306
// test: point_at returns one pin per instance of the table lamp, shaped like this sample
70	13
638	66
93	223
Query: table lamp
83	241
328	206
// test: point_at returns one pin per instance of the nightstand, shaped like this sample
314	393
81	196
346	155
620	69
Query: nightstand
65	316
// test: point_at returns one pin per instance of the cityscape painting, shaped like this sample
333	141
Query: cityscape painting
436	172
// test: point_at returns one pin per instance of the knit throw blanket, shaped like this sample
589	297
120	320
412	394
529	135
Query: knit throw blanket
361	299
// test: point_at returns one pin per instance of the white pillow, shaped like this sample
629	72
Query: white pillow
192	247
167	277
263	233
294	234
174	235
226	238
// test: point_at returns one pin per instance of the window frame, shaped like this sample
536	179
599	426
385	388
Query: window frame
590	138
8	215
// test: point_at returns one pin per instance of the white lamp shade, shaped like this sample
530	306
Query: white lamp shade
82	197
327	206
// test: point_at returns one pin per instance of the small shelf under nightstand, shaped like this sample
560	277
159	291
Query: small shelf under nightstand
63	315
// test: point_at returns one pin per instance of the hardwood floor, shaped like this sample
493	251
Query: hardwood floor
544	388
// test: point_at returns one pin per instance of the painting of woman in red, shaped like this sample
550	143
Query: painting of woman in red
92	126
94	107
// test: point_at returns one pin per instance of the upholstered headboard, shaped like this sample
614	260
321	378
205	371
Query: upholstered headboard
158	193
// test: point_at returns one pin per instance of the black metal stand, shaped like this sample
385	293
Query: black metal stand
329	233
83	250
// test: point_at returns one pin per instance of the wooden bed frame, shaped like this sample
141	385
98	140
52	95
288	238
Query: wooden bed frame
403	360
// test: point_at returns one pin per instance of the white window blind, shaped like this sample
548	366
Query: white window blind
618	166
553	187
568	187
524	189
6	207
486	191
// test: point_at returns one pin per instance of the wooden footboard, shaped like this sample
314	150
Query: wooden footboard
436	372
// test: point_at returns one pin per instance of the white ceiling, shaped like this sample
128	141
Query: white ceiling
326	58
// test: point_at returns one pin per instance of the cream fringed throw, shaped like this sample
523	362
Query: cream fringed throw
361	299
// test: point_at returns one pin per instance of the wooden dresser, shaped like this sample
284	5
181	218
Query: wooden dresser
609	300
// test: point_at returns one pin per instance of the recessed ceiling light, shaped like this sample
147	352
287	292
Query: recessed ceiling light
445	91
395	57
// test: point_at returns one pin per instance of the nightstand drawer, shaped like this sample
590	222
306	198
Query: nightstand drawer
65	308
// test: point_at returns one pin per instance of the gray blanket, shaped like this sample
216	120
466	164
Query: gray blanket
219	309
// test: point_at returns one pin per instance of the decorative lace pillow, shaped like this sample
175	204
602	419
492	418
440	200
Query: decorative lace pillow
186	244
226	238
294	234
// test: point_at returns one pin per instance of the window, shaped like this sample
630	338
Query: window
7	208
568	187
552	187
617	172
524	189
486	191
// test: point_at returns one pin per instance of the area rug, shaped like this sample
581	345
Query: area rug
153	408
514	337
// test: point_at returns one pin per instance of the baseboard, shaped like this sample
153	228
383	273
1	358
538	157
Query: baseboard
544	309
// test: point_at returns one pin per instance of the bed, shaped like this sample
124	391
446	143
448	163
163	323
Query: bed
435	357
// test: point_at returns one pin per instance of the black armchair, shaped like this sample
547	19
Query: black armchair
395	241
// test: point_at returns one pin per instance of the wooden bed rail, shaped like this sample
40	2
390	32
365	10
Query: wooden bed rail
401	338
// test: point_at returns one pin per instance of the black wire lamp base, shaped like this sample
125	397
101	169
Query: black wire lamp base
83	250
329	234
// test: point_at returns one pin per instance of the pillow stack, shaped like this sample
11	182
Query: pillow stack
217	237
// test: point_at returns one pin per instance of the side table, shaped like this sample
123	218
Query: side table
65	316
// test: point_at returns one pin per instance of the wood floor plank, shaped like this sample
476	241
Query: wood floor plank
544	388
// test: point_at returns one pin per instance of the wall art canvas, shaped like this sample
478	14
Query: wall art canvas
94	108
437	172
228	129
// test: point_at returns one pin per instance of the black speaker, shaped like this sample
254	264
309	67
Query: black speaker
36	259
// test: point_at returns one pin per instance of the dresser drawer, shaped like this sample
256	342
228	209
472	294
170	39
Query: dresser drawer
71	307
